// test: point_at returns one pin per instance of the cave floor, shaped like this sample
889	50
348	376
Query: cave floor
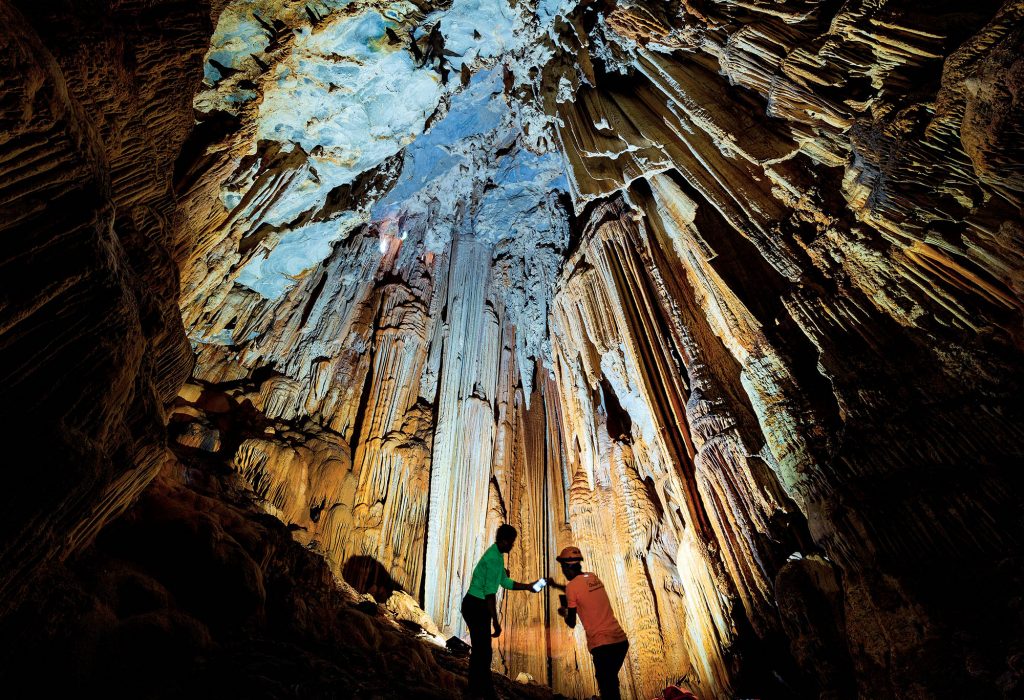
195	592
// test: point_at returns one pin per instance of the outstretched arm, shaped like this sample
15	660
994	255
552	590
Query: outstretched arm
509	584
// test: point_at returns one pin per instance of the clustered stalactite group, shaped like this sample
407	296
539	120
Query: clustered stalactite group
763	367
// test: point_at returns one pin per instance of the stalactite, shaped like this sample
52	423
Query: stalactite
636	535
464	437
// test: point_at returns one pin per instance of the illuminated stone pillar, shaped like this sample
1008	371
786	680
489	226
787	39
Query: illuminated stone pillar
464	437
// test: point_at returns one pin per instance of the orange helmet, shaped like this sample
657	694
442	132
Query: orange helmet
570	554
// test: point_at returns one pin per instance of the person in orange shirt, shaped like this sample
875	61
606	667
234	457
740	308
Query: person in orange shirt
586	597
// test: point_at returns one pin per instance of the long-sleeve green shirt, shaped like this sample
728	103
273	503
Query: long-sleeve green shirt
489	574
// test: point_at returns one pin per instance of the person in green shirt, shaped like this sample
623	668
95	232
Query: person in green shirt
480	610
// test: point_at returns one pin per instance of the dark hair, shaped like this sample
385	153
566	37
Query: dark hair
506	532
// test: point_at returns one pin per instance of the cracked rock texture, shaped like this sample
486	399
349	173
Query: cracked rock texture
727	294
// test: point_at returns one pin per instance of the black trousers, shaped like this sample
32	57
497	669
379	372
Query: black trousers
608	659
477	615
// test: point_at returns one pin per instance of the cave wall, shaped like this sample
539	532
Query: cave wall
97	103
874	345
632	504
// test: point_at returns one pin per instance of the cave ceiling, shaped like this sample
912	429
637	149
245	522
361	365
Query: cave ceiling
347	131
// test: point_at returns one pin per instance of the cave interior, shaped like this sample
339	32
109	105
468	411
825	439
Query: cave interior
300	301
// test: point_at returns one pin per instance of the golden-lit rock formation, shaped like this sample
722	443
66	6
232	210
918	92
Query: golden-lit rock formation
632	504
822	305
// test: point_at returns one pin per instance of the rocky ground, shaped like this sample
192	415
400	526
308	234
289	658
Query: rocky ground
195	592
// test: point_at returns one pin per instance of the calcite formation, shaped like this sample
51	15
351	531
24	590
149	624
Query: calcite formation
727	294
